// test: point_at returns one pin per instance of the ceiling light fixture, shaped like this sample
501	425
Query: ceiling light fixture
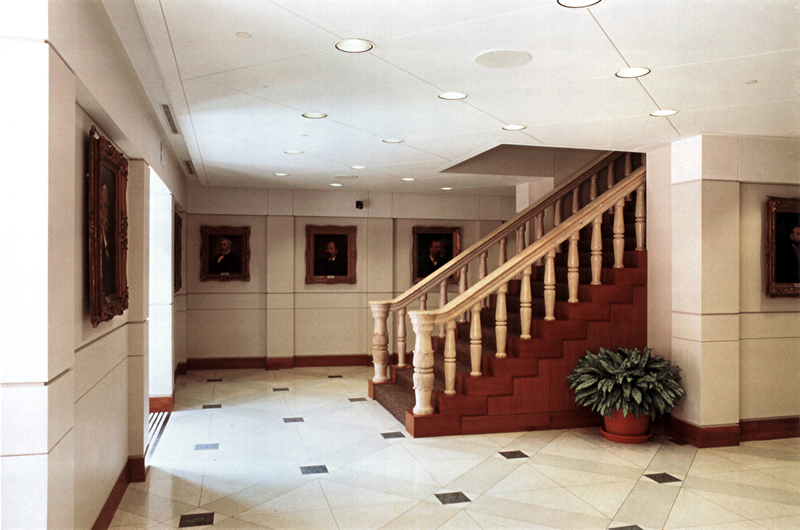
358	167
243	35
577	3
751	82
503	58
393	140
514	127
280	174
663	113
354	45
630	73
446	188
337	184
314	115
291	152
452	96
408	179
345	177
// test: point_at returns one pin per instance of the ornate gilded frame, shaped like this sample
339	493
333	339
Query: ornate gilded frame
450	237
783	263
107	229
210	239
317	239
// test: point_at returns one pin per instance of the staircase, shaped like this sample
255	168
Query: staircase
499	381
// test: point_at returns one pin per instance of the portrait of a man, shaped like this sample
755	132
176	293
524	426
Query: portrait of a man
224	260
434	246
225	253
787	248
330	254
331	262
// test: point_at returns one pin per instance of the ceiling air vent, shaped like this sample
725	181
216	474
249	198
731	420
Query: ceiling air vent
189	166
170	119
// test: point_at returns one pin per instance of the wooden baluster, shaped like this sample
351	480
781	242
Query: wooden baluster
628	170
525	303
640	217
576	201
597	250
482	272
593	188
442	302
423	302
501	321
475	347
501	254
610	181
401	337
521	238
619	234
462	287
450	359
380	341
539	226
550	286
573	267
423	362
557	213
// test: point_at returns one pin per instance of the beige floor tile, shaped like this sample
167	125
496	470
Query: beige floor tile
781	523
485	475
461	521
370	517
493	522
308	497
555	498
690	509
347	496
423	515
648	505
303	520
524	478
528	513
130	520
750	508
446	471
605	498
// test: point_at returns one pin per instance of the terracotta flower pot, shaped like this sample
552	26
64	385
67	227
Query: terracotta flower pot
628	429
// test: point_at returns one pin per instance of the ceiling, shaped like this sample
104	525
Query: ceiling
728	67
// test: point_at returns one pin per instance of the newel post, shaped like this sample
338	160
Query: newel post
423	362
380	341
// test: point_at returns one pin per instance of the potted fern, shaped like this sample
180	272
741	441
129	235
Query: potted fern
628	388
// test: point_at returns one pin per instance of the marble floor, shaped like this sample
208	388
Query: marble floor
306	449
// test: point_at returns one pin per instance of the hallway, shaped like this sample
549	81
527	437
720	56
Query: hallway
305	448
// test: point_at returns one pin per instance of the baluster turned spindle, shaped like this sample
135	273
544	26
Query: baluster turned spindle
401	337
423	302
482	271
593	188
576	201
610	181
380	342
423	363
539	233
573	266
475	335
619	234
597	250
450	359
550	286
501	254
521	238
462	287
640	218
557	213
442	303
501	320
525	303
628	169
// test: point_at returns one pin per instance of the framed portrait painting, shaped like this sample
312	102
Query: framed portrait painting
433	247
108	229
783	246
224	253
330	254
177	252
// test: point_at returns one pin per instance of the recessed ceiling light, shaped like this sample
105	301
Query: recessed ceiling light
751	82
292	152
345	177
393	140
514	127
663	113
337	184
577	3
503	58
452	96
446	188
358	167
354	45
314	115
243	35
408	179
635	71
280	174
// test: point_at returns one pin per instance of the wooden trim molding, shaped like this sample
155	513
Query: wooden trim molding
313	361
769	428
161	404
134	470
276	363
704	437
280	363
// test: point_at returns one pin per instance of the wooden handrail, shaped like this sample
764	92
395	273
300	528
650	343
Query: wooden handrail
454	265
535	251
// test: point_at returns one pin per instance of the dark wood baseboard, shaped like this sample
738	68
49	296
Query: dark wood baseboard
314	361
133	471
280	363
277	363
226	363
161	404
704	437
769	428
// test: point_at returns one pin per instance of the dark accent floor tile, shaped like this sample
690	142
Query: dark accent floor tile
311	470
396	434
280	389
212	406
206	447
631	527
196	519
676	441
213	380
452	498
335	376
355	400
513	454
662	478
293	420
